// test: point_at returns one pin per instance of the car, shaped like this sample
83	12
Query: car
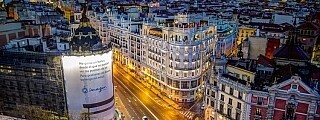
145	118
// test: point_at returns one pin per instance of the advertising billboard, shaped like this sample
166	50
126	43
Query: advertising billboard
89	86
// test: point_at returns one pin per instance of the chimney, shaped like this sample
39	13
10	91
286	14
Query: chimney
258	32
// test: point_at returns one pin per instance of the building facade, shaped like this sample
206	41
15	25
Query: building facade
245	32
282	88
172	53
54	75
31	78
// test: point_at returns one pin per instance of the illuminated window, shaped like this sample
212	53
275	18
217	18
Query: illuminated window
258	111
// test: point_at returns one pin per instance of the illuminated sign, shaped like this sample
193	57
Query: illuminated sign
89	86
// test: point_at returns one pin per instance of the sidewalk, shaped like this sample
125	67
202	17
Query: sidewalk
170	102
164	98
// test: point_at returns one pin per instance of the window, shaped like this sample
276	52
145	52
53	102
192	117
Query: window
258	111
240	95
185	74
221	108
212	104
237	116
213	94
294	86
244	77
223	87
260	100
184	93
222	97
208	91
237	75
215	83
176	92
231	91
184	85
194	84
239	105
230	101
177	74
229	112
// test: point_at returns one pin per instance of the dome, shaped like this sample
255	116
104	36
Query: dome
85	37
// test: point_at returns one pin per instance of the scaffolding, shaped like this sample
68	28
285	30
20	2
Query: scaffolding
31	79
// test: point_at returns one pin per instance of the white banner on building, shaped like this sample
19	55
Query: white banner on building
89	86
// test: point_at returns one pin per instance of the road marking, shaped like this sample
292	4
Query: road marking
140	89
138	99
188	114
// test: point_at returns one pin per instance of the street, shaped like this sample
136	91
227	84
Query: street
139	101
128	104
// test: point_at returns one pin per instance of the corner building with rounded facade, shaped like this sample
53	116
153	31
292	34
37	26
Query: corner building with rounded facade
176	55
170	53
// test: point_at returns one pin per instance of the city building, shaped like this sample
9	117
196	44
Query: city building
272	45
285	87
245	32
315	58
309	32
87	71
149	47
55	75
227	37
30	77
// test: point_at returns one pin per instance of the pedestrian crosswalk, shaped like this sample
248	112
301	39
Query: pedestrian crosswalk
188	114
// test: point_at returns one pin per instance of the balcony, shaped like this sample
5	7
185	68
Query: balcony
154	51
154	59
183	68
